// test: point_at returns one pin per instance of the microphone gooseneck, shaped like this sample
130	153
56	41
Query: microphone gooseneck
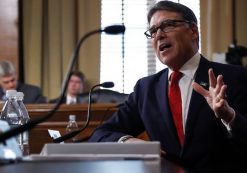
74	133
114	29
101	121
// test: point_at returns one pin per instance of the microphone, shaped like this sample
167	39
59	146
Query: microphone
75	132
105	85
114	29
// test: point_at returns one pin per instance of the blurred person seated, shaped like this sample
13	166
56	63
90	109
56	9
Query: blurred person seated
75	87
8	81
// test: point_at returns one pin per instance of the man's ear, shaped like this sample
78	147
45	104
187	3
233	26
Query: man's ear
194	29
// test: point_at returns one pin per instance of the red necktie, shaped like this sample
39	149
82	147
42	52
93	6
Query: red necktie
176	104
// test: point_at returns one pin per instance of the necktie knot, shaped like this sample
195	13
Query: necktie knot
175	77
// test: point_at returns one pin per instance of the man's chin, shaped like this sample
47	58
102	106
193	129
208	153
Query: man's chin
164	60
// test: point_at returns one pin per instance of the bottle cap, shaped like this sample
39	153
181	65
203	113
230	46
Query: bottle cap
19	95
72	117
10	93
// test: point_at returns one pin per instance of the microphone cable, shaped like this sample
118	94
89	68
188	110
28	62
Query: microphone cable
75	132
101	121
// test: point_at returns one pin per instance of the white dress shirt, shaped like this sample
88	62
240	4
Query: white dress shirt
185	83
70	100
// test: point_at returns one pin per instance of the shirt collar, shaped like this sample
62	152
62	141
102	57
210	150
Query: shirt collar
190	67
70	99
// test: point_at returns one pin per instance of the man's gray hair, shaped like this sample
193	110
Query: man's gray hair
6	68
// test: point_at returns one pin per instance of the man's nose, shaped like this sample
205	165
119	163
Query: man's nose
11	84
160	34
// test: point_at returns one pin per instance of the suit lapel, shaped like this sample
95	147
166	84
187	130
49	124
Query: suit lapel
197	100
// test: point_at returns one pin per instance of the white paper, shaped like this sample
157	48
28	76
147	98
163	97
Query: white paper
54	134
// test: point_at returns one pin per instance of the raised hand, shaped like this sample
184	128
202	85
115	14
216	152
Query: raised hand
215	97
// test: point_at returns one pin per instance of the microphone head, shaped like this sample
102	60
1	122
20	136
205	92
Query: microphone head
114	29
107	84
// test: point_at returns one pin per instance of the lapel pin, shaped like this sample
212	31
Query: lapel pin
203	84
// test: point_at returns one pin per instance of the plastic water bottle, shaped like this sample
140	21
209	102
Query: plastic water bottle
72	126
11	114
24	119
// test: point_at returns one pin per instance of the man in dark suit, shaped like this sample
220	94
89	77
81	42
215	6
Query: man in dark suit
75	89
8	81
211	133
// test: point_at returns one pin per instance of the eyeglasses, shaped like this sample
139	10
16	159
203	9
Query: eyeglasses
165	26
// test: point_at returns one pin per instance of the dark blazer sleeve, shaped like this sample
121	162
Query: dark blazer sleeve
140	112
235	77
126	121
237	98
32	94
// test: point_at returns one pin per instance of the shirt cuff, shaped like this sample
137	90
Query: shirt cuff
228	125
124	138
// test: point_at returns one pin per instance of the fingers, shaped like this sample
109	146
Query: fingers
212	79
198	88
213	82
215	96
222	93
217	87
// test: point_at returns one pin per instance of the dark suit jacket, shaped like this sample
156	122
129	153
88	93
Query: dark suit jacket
98	96
64	100
32	94
207	143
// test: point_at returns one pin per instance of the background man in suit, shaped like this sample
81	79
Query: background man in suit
8	81
75	88
212	132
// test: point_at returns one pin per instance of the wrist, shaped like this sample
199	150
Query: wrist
229	119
